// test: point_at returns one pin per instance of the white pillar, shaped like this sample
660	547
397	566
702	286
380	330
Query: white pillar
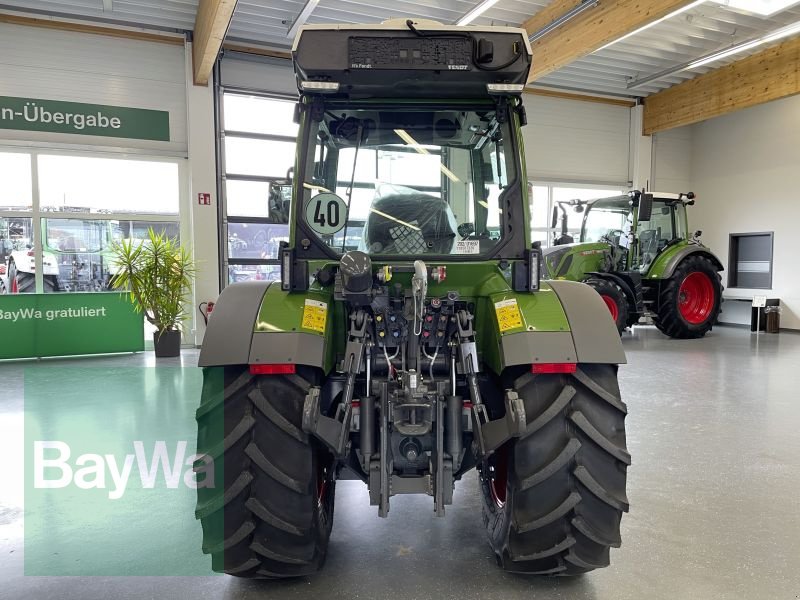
204	221
641	161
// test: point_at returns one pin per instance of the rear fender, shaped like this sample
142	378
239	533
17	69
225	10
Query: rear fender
565	322
666	263
258	323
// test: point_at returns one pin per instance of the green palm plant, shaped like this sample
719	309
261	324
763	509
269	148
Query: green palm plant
157	273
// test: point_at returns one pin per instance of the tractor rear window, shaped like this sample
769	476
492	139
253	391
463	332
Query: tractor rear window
407	183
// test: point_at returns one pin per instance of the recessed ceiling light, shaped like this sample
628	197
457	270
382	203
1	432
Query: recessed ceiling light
765	8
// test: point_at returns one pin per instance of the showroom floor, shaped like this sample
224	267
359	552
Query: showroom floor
715	510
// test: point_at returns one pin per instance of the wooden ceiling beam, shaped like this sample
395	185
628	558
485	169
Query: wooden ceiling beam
210	26
590	30
769	75
120	32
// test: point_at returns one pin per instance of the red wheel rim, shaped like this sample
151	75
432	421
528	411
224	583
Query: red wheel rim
696	298
612	306
498	476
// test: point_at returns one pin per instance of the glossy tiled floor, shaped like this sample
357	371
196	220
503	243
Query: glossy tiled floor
714	430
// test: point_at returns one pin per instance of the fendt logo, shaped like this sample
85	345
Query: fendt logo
103	471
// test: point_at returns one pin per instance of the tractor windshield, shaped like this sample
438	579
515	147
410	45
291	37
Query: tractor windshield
607	220
667	223
408	182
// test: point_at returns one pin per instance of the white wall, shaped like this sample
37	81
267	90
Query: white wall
576	141
204	219
746	172
673	152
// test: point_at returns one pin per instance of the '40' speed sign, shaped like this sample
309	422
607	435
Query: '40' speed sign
326	213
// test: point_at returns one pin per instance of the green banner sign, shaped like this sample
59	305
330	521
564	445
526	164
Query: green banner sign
55	116
34	325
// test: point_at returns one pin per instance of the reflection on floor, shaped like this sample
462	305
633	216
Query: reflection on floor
712	429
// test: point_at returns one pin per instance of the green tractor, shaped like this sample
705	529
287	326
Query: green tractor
429	350
635	250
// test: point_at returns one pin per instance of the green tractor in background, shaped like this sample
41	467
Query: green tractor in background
430	350
635	250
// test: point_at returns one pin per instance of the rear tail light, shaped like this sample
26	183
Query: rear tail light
281	369
31	253
550	368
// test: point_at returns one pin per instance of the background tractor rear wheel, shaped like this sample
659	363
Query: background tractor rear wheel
615	300
18	282
273	515
553	499
690	300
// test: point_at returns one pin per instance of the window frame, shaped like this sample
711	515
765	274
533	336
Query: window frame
223	176
733	258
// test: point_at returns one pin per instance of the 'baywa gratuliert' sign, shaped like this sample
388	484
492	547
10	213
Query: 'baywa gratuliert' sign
55	116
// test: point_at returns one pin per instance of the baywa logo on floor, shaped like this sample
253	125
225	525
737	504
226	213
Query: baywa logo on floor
112	473
89	470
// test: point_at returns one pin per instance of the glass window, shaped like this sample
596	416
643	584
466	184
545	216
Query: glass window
15	181
17	266
256	240
261	158
255	114
108	185
423	180
266	272
608	220
77	252
563	194
540	205
268	200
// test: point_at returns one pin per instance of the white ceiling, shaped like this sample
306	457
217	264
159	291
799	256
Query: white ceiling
697	32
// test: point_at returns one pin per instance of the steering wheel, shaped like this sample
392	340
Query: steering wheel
612	233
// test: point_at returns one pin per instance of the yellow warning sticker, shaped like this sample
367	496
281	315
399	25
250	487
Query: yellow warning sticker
508	315
315	314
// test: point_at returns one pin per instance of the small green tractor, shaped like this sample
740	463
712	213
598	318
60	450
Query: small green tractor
429	350
635	250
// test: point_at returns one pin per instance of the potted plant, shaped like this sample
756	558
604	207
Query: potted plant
157	273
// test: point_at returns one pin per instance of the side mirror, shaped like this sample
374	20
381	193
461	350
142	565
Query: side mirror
645	207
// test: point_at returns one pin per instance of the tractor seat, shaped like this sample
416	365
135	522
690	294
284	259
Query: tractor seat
409	223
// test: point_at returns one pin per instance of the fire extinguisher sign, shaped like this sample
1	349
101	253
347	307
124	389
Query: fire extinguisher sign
204	199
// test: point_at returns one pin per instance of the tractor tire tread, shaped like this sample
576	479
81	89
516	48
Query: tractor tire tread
668	319
266	521
565	492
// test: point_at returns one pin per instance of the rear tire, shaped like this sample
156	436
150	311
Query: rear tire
272	516
690	300
615	299
18	282
50	283
553	499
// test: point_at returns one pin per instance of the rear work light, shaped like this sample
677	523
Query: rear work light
282	369
548	368
505	88
322	87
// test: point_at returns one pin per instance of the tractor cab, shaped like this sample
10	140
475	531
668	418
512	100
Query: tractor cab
637	226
